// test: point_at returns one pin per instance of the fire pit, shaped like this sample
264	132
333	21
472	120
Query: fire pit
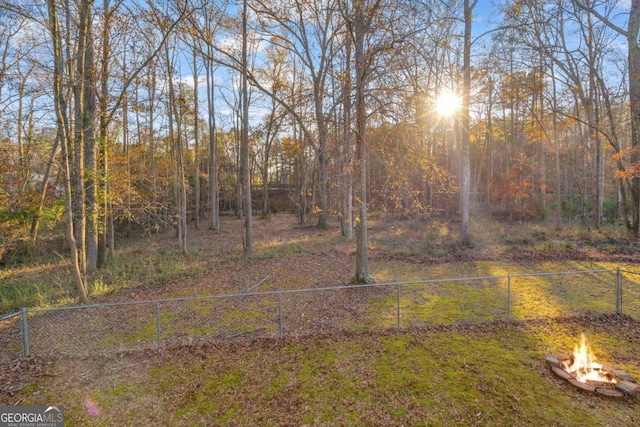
584	373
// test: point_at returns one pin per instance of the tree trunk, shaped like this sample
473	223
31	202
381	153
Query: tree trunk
152	141
80	132
490	148
465	188
102	136
594	130
556	142
214	208
634	99
196	140
175	137
362	274
43	191
244	151
347	159
85	161
63	134
323	178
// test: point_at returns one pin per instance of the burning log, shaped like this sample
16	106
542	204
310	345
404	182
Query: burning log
584	367
584	373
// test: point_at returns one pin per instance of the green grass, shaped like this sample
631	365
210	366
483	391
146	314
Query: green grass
439	303
46	281
150	267
462	373
145	333
278	247
473	301
38	285
447	378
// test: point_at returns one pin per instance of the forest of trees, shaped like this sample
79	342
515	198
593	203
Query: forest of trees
119	116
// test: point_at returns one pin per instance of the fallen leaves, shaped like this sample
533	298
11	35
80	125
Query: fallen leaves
327	369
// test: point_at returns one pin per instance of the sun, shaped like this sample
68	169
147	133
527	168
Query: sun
447	103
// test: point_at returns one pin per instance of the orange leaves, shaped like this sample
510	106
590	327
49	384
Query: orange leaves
517	188
632	168
408	179
514	10
291	147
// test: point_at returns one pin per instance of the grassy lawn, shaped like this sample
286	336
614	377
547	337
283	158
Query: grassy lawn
455	361
491	375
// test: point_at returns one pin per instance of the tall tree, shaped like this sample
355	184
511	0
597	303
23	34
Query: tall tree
308	29
196	138
274	79
175	115
245	172
347	144
214	203
631	34
65	138
360	27
362	18
465	190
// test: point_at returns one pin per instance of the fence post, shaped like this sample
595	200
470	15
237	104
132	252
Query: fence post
25	332
280	331
618	291
398	305
158	327
508	298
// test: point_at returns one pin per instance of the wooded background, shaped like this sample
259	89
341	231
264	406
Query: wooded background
124	116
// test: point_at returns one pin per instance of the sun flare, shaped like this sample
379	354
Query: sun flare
447	103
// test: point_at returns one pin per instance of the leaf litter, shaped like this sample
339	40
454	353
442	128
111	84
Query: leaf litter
325	375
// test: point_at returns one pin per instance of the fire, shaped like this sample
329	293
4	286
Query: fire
584	367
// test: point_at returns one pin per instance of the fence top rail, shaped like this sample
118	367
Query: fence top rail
305	290
563	273
9	316
622	270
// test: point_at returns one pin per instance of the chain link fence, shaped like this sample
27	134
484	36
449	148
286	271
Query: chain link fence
10	337
106	329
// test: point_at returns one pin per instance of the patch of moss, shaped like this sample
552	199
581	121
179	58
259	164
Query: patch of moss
438	303
201	331
470	381
278	383
146	331
143	334
235	317
445	378
201	306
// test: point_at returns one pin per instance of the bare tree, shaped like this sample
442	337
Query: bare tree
631	34
465	190
196	137
360	26
307	30
214	203
245	172
64	135
274	76
204	25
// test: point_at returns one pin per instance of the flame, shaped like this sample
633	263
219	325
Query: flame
584	367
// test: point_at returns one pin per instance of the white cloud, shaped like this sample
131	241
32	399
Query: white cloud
189	80
623	4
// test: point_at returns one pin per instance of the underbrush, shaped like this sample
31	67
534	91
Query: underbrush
41	278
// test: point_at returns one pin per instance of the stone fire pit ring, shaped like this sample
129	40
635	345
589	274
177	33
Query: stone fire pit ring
626	386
